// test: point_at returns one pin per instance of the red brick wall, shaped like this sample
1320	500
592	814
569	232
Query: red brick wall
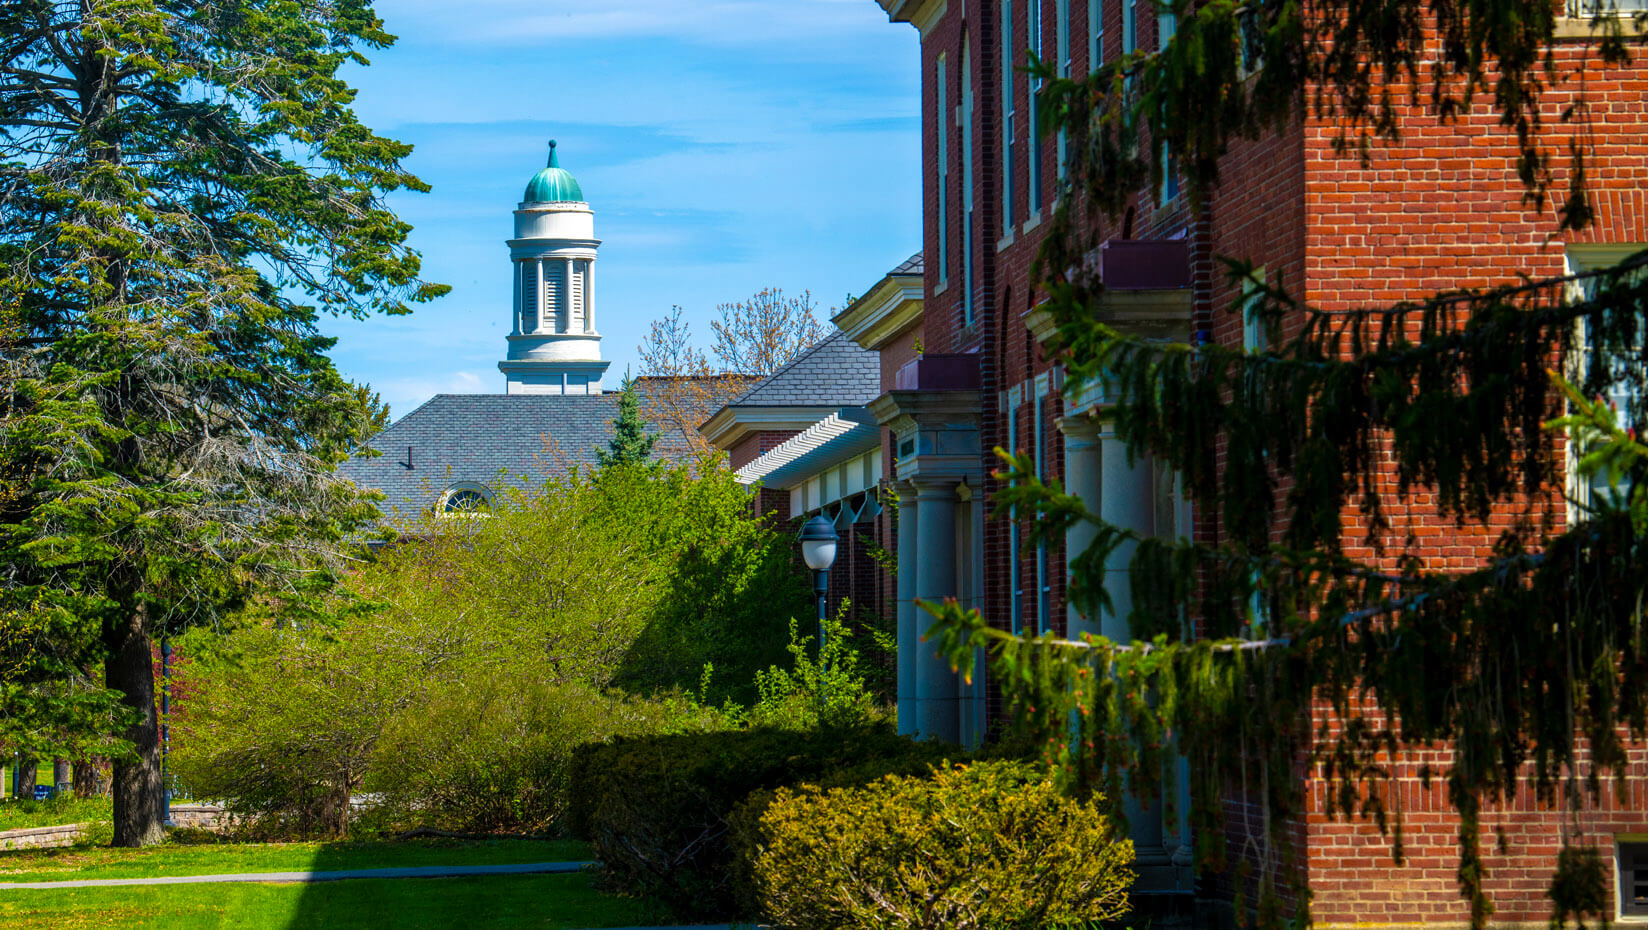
754	445
1443	209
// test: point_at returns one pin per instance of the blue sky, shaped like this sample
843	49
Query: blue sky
725	146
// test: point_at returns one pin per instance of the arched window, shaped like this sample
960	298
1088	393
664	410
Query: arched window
464	500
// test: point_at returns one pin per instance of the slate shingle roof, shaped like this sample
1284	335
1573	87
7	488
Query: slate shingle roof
835	373
487	439
912	265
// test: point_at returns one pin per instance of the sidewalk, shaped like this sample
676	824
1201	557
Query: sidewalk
427	871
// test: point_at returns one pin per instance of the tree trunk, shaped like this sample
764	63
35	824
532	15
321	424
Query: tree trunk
87	775
24	779
60	774
129	669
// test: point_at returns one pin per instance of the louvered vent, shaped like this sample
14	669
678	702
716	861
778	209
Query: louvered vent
554	294
576	324
1633	879
529	297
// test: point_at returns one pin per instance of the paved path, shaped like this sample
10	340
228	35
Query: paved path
426	871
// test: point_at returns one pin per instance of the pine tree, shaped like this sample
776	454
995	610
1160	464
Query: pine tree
631	441
184	190
1533	664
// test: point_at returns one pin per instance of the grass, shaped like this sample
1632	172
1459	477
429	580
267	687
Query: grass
48	865
542	902
30	813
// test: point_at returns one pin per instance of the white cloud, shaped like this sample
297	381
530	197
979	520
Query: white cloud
403	395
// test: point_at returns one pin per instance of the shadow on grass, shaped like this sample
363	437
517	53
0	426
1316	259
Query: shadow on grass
543	901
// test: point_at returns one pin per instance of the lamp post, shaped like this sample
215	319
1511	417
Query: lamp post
165	729
818	539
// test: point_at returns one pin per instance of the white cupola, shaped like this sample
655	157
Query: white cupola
553	345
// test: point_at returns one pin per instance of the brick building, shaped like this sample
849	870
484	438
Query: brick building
1442	209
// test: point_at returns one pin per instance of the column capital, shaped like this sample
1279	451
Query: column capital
1083	427
930	487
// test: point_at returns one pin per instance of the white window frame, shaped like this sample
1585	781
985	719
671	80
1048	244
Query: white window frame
464	487
1587	257
1638	914
1602	9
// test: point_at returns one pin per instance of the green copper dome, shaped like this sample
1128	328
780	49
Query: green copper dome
554	184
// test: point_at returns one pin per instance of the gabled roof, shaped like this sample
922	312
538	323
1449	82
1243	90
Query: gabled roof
484	439
912	265
887	310
834	374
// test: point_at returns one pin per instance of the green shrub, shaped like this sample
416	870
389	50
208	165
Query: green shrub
990	845
451	675
492	756
660	811
829	692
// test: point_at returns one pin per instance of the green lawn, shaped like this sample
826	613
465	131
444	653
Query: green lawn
542	902
48	865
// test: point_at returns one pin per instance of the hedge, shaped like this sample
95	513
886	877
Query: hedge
660	811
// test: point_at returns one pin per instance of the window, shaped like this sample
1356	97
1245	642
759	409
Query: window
1016	609
1044	587
1170	176
465	501
1253	326
1095	34
554	294
1033	7
1590	9
943	129
1621	394
967	147
1007	55
529	296
1167	23
1130	26
1631	867
1251	28
1062	10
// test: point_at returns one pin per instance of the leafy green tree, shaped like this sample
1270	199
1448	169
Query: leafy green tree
1531	664
452	675
631	440
186	191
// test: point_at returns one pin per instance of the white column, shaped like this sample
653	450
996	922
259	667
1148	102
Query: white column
589	296
1126	502
1083	477
566	297
1129	502
538	306
938	709
515	308
908	636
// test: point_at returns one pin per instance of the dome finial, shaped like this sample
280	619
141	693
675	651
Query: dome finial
553	161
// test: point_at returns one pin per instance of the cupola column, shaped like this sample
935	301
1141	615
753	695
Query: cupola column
589	297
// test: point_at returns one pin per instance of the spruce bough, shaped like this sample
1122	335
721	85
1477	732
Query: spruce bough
1531	665
185	192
